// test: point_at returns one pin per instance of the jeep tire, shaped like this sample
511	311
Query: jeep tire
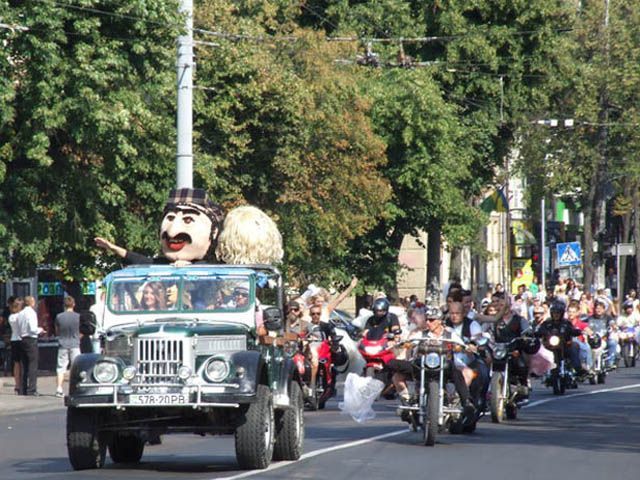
126	448
87	447
254	438
290	427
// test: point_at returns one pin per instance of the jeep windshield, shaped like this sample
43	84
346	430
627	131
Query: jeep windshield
180	294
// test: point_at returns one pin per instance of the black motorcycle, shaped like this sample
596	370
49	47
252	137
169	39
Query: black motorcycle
509	374
563	376
437	405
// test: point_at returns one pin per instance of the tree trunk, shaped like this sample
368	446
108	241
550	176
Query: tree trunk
434	258
396	241
626	238
636	230
588	232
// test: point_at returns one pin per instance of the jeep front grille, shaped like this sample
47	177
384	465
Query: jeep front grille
159	359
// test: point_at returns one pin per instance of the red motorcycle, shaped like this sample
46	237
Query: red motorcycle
325	384
377	354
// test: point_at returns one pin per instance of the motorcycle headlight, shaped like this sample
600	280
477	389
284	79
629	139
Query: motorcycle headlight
554	340
216	370
432	360
499	352
105	372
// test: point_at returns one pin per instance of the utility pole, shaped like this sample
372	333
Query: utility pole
543	242
184	67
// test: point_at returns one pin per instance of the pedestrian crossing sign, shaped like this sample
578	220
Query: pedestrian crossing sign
569	254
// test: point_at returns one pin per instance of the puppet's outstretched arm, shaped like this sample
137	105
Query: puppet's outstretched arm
112	247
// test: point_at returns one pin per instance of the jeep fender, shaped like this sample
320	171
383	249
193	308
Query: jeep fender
83	362
288	373
255	371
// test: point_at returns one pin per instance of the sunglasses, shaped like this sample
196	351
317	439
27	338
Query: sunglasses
315	314
241	294
538	313
294	309
432	319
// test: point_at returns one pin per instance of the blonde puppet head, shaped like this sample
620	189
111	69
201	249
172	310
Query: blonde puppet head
249	236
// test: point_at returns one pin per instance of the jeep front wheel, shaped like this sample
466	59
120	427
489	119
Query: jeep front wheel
254	438
126	448
86	445
290	427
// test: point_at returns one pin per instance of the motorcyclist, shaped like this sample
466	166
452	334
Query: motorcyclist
603	324
510	327
566	331
586	357
430	325
477	374
402	366
382	322
629	319
318	331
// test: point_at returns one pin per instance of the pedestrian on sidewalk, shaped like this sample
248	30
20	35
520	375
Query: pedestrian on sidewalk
29	331
67	325
16	304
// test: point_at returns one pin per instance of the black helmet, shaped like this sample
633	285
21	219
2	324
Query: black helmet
557	307
381	307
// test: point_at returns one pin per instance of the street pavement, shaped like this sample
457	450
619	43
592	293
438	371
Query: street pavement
10	403
590	433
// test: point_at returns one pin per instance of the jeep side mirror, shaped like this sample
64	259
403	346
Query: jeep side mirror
272	319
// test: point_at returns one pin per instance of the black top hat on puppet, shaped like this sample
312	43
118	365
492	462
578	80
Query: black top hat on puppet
196	198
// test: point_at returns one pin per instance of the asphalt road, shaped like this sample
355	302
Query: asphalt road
591	433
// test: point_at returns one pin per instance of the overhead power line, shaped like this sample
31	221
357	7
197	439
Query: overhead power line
291	38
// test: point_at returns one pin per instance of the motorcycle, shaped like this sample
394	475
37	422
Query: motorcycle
316	396
563	376
628	346
377	354
509	386
437	406
599	352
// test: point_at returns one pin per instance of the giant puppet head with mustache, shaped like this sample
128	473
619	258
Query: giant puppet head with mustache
191	224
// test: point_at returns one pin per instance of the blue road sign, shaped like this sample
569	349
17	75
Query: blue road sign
569	254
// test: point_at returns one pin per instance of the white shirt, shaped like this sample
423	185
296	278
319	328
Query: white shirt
28	323
98	309
474	329
15	329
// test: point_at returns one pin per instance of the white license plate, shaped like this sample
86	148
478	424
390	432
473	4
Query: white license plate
158	399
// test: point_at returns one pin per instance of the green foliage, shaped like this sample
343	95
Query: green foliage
346	158
84	143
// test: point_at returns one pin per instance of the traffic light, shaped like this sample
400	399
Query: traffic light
535	260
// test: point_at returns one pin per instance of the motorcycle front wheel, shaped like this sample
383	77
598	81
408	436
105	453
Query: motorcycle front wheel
430	421
497	400
557	382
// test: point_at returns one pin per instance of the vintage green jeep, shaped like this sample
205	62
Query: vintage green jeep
182	353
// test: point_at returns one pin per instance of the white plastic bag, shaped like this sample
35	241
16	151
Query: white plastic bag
359	395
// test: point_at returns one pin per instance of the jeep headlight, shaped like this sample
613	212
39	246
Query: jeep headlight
432	360
105	372
216	370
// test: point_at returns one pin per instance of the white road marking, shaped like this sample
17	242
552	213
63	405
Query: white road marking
593	392
364	441
315	453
